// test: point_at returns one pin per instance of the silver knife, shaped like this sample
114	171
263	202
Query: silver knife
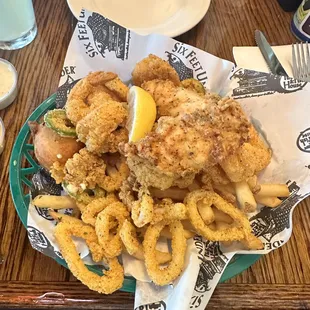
270	57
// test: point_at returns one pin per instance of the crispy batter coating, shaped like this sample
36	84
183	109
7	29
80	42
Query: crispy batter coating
239	230
252	157
180	147
91	211
86	171
93	90
151	68
216	174
58	172
142	210
164	275
128	234
80	229
101	129
112	279
167	211
112	245
173	101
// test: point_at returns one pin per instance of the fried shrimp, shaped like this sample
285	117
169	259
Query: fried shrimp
164	275
86	171
103	129
153	67
128	234
93	90
241	230
112	245
112	279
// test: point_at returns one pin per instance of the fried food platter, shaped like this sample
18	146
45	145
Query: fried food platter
125	169
22	168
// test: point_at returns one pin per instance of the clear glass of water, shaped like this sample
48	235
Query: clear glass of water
17	24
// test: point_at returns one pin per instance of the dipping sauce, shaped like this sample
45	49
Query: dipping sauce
6	79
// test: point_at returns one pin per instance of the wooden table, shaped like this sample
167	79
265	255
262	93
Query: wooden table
279	280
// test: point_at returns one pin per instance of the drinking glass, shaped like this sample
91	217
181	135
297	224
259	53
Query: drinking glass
17	24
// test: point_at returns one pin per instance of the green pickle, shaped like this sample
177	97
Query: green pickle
194	85
57	120
85	197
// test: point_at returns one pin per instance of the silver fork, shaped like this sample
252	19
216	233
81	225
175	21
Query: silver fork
301	61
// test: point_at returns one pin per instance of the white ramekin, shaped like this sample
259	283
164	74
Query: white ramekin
2	134
9	97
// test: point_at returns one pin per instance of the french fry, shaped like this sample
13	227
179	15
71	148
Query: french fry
220	216
175	193
229	188
245	197
271	202
206	212
273	190
54	202
253	184
194	186
59	217
226	192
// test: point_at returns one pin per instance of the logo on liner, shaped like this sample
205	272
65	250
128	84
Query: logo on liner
194	70
101	35
255	84
303	141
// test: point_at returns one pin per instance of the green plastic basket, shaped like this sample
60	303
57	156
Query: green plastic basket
20	177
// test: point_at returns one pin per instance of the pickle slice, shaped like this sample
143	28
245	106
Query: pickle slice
57	120
194	85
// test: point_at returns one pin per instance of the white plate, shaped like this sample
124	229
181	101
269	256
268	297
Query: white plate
167	17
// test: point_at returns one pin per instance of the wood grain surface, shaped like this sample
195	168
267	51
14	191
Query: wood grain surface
279	280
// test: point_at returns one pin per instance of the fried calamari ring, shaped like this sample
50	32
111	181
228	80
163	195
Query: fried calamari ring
210	198
91	211
128	234
90	92
142	210
168	211
164	275
112	245
81	230
112	279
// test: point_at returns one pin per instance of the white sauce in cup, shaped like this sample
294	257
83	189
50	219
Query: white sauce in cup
8	83
6	78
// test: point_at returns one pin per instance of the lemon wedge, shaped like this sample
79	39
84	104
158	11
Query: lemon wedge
142	113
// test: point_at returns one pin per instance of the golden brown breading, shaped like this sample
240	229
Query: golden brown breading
216	174
91	91
153	67
99	128
180	147
87	171
252	157
174	100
